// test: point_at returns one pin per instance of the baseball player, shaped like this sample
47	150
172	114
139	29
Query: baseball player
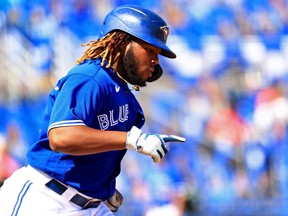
91	119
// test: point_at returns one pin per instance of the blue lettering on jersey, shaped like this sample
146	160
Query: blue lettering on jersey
107	120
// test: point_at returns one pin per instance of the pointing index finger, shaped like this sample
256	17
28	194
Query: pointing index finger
173	138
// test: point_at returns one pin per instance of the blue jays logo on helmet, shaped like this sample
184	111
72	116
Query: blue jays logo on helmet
165	30
141	23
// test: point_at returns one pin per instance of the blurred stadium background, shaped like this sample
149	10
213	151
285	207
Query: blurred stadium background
226	93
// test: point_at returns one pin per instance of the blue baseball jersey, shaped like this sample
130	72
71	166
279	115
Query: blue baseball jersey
94	96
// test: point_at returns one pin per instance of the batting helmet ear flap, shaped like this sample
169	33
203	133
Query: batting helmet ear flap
156	74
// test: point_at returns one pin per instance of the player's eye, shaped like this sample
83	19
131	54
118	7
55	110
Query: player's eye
149	50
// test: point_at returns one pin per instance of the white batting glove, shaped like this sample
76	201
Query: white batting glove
154	145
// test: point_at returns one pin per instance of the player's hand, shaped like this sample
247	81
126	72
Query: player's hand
155	145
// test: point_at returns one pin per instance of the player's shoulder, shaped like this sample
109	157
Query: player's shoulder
91	69
88	68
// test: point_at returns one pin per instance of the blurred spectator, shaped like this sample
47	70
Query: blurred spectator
271	106
7	163
16	145
81	21
41	30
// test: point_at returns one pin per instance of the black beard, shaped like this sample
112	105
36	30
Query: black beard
130	69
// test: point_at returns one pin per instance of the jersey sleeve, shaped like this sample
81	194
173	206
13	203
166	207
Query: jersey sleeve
77	101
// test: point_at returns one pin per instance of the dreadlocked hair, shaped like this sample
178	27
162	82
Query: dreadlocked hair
106	47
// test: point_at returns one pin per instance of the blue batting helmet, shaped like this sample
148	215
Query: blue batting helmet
141	23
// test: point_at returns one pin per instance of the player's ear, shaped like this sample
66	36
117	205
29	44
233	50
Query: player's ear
126	41
123	46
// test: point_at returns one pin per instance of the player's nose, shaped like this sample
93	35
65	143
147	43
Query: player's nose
155	60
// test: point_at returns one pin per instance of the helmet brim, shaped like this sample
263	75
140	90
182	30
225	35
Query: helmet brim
168	53
165	50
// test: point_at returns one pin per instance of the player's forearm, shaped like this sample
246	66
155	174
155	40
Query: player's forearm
82	140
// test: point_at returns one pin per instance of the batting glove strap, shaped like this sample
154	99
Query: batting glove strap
148	144
153	145
164	148
133	137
